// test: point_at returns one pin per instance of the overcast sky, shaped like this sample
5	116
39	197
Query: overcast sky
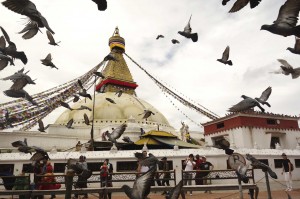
190	68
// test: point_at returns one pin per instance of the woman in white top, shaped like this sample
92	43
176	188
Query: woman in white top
189	166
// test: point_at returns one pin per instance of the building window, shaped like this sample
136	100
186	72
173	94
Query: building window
271	121
265	161
220	125
28	168
297	163
278	163
94	166
127	166
7	168
59	167
274	140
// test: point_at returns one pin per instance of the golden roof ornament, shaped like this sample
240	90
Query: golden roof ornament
116	41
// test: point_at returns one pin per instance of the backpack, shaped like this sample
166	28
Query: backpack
292	166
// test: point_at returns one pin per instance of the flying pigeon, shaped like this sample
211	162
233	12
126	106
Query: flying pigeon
187	32
109	57
141	186
239	4
147	113
174	41
27	8
20	94
22	146
258	164
82	107
4	59
296	49
66	105
223	144
99	74
8	120
116	134
176	191
51	39
86	119
11	49
102	4
30	30
246	104
265	96
285	24
119	93
224	2
287	69
19	79
76	98
83	91
48	61
241	172
127	139
225	57
41	126
110	100
150	161
159	36
70	123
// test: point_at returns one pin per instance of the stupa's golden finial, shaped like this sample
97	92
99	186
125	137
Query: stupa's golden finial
117	41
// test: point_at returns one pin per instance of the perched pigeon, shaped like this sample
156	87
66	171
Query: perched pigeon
246	104
102	4
116	134
160	36
258	164
174	41
296	49
147	113
66	105
141	186
70	123
51	39
225	57
41	126
187	32
110	57
30	30
110	100
239	4
285	24
48	61
86	119
27	8
119	93
11	49
265	96
287	69
176	191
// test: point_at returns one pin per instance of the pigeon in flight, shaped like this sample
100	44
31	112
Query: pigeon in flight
116	134
27	8
11	49
119	93
4	59
48	61
147	113
241	172
258	164
110	100
285	24
66	105
176	191
246	104
110	57
20	94
19	79
287	69
30	30
83	91
225	57
296	49
239	4
82	107
141	186
22	146
76	98
150	161
51	39
70	123
127	139
41	126
102	4
187	32
224	2
159	36
265	96
222	143
99	74
86	119
174	41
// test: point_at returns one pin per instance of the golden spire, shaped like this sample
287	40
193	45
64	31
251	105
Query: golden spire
117	41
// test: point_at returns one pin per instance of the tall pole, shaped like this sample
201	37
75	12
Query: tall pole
267	183
92	130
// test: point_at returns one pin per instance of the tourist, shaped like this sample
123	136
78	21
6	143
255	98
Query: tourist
188	137
205	166
110	171
48	182
287	170
189	167
22	183
166	176
198	161
103	176
82	181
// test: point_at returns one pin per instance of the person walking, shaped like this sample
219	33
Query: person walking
82	181
287	170
189	166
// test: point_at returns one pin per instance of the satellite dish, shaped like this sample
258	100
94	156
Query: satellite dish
235	160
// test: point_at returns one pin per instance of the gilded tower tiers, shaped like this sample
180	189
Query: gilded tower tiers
117	74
